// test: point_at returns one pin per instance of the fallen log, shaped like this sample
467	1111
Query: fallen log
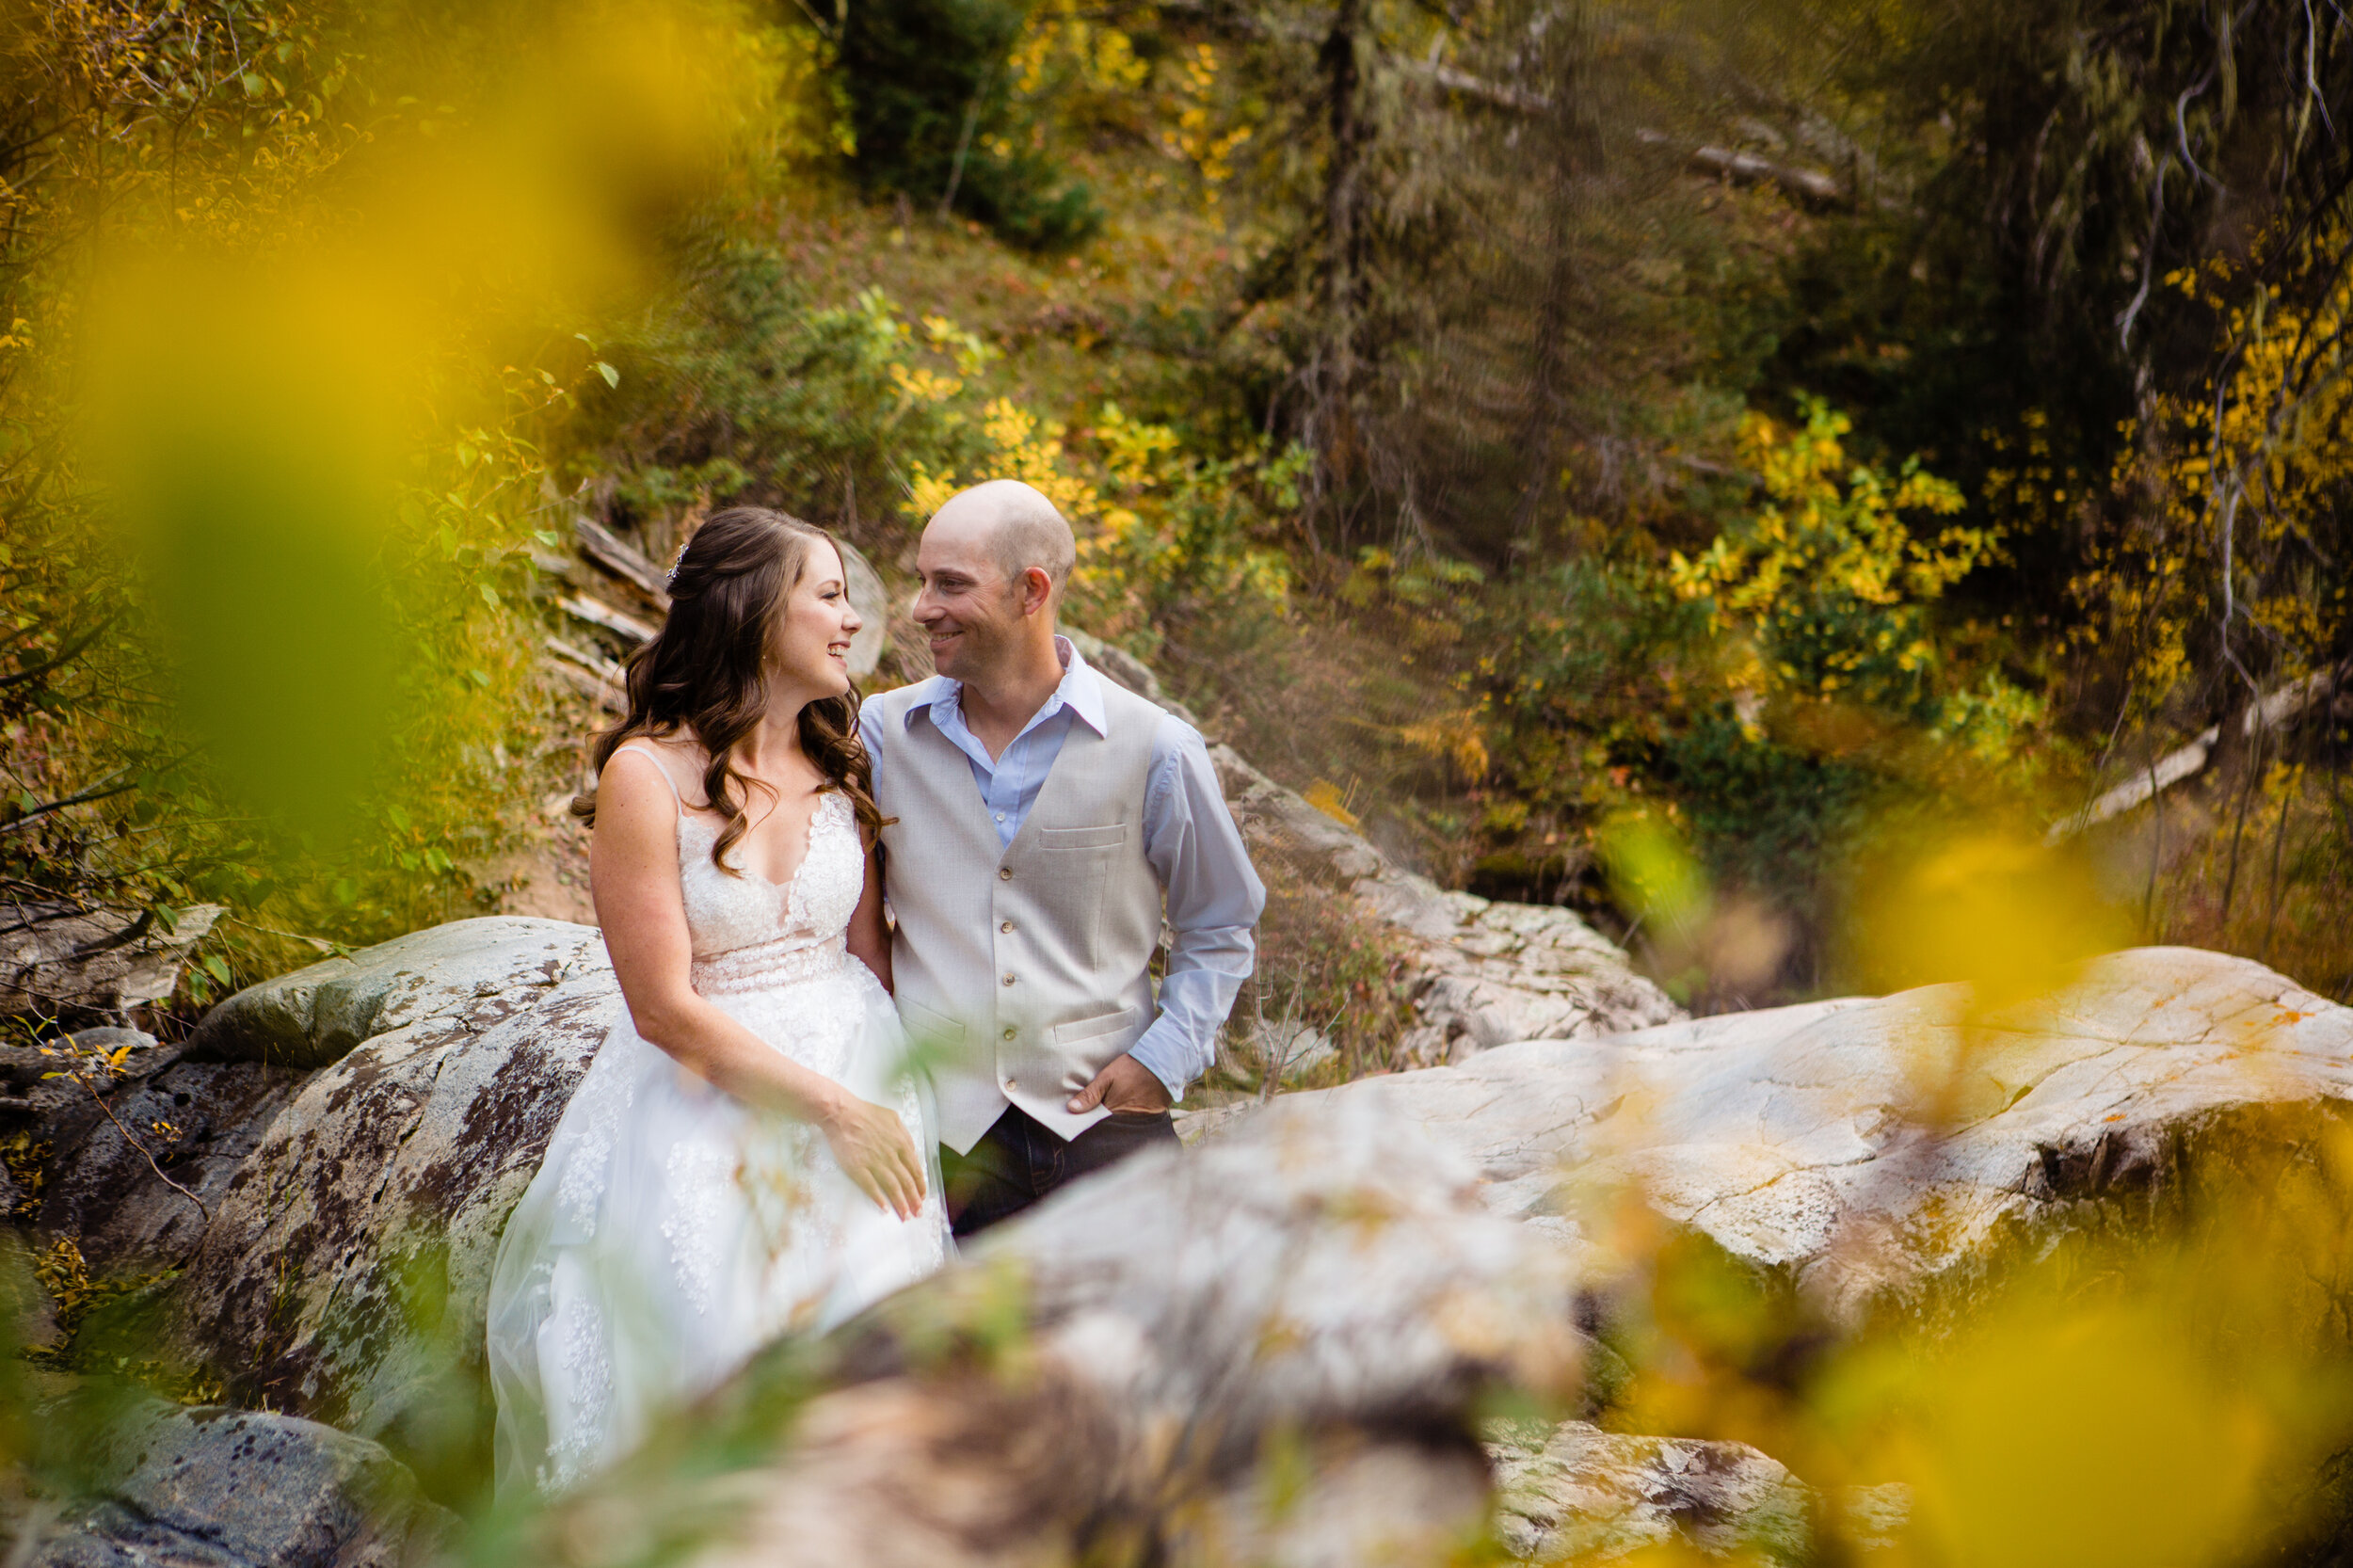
2276	710
596	678
2163	774
623	560
599	614
1808	186
604	693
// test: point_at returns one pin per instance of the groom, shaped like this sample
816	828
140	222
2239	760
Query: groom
1043	814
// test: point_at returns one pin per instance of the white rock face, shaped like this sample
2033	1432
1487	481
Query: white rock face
344	1273
1501	972
1873	1148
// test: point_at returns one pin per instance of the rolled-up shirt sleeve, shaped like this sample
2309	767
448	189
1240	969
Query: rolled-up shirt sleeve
1214	901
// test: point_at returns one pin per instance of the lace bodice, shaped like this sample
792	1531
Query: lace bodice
749	932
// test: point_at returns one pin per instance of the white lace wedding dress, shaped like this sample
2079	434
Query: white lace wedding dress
671	1230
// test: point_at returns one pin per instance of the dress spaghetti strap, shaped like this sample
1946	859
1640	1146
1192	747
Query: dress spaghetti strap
630	748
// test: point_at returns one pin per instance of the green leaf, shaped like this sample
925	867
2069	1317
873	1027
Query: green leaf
214	967
612	377
400	819
489	595
480	678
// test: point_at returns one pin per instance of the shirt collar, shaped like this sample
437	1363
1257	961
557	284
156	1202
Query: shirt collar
1081	691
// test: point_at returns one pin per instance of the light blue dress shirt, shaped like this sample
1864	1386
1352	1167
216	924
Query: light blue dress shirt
1214	895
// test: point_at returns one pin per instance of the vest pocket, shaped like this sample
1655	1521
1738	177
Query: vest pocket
1082	838
927	1026
1069	869
1089	1028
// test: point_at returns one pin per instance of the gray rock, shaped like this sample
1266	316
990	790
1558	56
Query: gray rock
1482	973
314	1016
1579	1494
1355	1503
1876	1149
199	1120
344	1273
1300	1049
244	1489
1126	669
873	604
80	1097
1500	972
57	960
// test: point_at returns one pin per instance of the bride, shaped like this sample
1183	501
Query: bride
750	1153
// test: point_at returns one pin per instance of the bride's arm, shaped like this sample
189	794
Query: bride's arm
633	873
869	939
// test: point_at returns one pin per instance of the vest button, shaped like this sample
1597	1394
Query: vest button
1005	873
1011	1032
1008	976
1004	925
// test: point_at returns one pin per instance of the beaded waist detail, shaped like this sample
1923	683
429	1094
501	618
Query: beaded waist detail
766	966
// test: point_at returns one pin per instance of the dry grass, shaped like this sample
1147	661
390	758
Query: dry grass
1323	964
2269	882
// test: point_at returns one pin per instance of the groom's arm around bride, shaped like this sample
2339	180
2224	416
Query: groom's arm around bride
1045	817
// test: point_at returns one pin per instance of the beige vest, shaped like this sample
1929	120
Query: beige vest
1020	973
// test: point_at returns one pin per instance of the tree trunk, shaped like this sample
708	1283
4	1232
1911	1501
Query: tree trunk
1571	138
1337	371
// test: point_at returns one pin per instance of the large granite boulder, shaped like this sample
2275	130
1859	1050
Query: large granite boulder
214	1488
1877	1150
344	1271
1269	1352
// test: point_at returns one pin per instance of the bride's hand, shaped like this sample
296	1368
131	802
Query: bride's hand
872	1148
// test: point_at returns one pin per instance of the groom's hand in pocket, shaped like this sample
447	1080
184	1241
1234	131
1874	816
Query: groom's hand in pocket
1125	1084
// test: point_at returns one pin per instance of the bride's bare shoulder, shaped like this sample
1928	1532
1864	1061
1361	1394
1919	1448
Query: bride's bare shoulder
680	760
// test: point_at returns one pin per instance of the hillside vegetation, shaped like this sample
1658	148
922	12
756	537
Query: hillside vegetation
1742	471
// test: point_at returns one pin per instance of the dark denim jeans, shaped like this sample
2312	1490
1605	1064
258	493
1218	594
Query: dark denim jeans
1017	1162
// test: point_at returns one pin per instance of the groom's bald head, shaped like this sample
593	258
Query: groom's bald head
1013	525
994	561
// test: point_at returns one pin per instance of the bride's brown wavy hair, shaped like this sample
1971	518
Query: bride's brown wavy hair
703	673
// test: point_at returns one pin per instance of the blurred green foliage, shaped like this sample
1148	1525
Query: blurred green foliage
270	484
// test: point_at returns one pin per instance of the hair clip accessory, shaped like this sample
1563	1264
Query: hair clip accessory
669	579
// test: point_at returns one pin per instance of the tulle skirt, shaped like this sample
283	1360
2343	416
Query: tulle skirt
671	1231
